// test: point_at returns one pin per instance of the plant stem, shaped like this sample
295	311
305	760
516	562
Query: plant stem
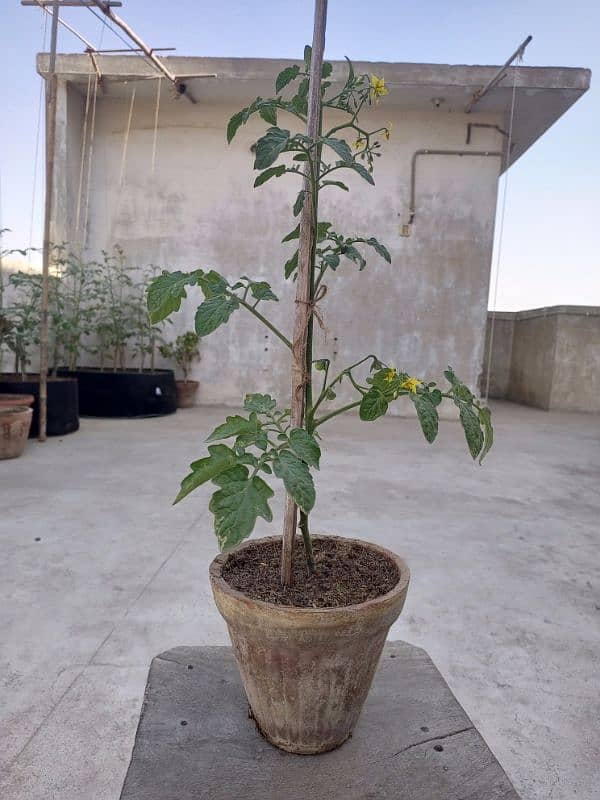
308	550
264	320
337	411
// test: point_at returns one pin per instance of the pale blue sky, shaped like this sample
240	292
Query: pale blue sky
551	244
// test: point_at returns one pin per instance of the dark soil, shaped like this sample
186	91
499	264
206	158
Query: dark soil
345	573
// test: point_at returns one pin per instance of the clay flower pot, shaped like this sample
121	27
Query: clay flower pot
15	422
186	393
307	671
7	400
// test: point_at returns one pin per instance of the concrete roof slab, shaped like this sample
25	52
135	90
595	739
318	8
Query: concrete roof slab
542	94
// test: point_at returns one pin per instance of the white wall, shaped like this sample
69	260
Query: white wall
199	210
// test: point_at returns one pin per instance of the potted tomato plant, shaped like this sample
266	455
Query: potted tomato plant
184	351
307	615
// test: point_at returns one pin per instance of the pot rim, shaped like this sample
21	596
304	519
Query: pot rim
15	409
398	589
188	383
20	398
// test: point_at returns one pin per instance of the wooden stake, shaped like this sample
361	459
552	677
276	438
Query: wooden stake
50	142
303	311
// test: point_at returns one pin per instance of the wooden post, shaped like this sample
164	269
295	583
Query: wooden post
303	310
50	148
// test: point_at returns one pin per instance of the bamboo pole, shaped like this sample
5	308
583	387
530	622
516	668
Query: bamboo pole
304	299
50	147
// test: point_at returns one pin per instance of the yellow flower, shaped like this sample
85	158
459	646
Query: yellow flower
358	143
411	384
388	131
390	375
377	87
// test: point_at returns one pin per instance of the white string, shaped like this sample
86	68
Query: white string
156	110
122	172
82	158
89	166
501	231
37	149
126	139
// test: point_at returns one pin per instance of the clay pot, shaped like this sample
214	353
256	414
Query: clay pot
186	393
8	400
15	422
307	671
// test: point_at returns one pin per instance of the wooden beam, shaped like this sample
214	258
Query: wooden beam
68	3
304	299
51	86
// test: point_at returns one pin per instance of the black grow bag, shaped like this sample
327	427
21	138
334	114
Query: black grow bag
63	402
125	393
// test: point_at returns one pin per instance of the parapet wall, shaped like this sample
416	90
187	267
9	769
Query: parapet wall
545	357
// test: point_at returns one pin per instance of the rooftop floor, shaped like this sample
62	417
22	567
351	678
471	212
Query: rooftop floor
505	592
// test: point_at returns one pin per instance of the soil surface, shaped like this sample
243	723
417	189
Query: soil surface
345	573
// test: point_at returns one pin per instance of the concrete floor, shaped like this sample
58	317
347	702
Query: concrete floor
505	594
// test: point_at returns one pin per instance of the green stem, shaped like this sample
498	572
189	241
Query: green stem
264	320
308	550
334	413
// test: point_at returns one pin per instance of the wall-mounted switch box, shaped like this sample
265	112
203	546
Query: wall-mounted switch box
404	230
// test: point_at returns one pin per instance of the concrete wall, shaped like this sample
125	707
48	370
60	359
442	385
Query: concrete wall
424	311
548	357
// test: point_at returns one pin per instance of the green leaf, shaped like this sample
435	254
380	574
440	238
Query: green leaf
212	283
213	312
291	265
332	260
305	446
238	504
473	432
234	124
339	184
166	291
299	203
286	76
327	69
270	146
259	439
261	403
340	146
362	171
272	172
307	57
269	114
352	253
296	478
322	230
221	458
373	405
459	389
428	416
292	235
261	290
234	426
436	397
485	418
379	249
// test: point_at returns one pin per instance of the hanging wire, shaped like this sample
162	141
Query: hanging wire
501	229
37	147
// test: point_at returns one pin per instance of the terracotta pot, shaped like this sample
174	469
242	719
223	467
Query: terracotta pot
186	393
15	422
8	400
307	671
